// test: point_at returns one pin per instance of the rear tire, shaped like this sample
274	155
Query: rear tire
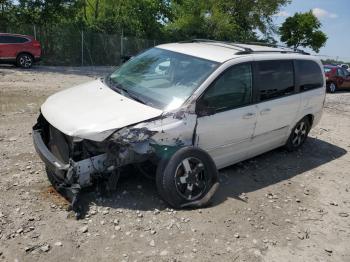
298	135
25	60
186	177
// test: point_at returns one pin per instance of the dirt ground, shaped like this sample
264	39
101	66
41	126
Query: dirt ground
276	207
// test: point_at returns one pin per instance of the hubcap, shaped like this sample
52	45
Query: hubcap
191	178
299	134
25	61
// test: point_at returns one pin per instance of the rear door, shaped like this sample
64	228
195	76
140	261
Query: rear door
278	103
226	116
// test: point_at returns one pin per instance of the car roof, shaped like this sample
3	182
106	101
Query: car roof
223	51
19	35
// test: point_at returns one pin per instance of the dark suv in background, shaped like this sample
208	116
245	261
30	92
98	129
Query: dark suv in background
336	77
21	50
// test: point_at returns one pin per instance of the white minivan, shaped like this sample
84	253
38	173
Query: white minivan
179	112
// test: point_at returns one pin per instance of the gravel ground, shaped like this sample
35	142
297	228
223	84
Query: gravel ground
276	207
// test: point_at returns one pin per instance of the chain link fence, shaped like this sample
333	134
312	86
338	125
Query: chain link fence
68	45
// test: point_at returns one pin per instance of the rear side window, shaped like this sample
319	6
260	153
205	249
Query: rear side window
310	75
275	79
7	39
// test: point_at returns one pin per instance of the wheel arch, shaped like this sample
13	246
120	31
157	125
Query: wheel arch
311	118
25	52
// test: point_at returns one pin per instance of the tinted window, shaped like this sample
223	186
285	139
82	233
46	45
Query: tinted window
276	79
310	75
7	39
232	89
346	72
340	72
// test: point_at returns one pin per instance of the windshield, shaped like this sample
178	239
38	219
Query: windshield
161	78
327	69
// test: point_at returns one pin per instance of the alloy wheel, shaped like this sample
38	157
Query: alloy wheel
191	178
332	87
25	61
299	134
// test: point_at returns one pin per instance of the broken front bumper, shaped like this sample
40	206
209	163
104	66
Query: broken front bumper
67	179
51	161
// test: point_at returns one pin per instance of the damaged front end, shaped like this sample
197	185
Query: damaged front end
74	163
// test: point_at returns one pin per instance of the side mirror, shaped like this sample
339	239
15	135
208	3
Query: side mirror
203	108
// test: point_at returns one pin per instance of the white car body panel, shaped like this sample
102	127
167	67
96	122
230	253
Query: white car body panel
275	118
226	136
94	111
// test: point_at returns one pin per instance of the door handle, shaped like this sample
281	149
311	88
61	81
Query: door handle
265	111
248	115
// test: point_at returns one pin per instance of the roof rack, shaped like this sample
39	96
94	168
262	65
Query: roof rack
198	40
247	50
286	49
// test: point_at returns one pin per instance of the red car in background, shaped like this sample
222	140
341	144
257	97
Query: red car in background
336	78
21	50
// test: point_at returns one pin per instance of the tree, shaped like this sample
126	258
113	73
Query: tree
43	12
303	29
142	18
5	9
235	20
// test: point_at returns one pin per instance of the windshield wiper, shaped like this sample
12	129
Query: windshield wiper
123	91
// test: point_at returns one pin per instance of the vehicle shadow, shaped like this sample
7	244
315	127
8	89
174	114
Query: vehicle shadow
274	167
138	193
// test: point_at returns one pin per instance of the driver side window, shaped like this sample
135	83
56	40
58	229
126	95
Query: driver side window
232	89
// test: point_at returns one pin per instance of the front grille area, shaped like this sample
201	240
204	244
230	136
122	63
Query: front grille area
58	145
57	142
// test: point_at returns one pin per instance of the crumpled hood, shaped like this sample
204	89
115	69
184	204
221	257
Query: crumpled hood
94	111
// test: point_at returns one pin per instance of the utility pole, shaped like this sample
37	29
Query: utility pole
34	29
82	48
122	43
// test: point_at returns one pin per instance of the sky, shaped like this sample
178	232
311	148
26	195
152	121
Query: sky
335	18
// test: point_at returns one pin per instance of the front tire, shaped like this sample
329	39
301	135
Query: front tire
298	135
25	61
186	177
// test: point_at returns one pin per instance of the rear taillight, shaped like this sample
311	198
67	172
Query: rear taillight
36	44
